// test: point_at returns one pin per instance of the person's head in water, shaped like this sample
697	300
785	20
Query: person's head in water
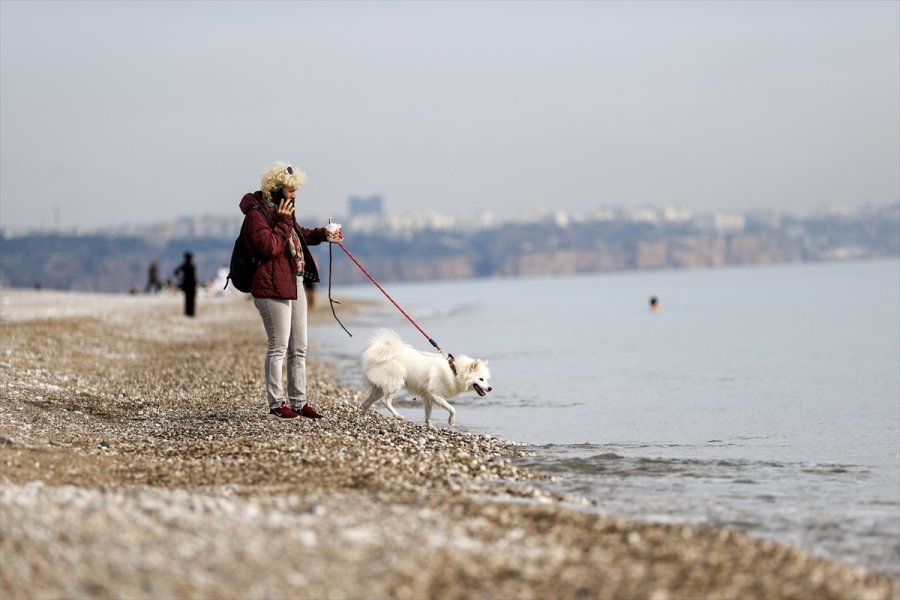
281	176
654	303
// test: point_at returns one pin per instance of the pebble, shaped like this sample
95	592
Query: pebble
138	461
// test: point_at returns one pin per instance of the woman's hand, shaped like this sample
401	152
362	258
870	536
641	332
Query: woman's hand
335	233
285	208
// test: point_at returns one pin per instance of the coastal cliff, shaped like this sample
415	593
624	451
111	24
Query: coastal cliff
118	261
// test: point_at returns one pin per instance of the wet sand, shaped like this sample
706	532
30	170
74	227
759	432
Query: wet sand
137	461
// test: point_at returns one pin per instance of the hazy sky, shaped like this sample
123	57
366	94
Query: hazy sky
115	112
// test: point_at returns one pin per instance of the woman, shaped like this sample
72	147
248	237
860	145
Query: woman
277	240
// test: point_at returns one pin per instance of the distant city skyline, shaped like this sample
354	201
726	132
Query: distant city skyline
147	111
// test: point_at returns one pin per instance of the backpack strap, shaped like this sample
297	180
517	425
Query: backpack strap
263	211
265	214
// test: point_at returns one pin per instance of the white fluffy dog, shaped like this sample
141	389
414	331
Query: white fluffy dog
390	365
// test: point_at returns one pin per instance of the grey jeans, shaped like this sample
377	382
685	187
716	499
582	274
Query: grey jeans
285	323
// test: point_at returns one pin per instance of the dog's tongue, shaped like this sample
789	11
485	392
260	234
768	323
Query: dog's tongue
478	389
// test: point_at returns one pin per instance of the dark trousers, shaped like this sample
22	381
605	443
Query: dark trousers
190	302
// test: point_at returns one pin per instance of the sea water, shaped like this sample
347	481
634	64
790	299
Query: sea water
766	399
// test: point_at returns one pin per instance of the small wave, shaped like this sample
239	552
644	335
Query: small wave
609	462
568	447
768	498
608	456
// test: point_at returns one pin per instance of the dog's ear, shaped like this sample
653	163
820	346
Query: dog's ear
476	364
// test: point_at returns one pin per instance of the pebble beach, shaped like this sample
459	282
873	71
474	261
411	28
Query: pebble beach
137	461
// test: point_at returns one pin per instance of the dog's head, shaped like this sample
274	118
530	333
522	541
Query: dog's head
477	375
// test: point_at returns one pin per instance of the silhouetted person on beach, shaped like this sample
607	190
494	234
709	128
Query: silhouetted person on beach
187	281
309	288
153	282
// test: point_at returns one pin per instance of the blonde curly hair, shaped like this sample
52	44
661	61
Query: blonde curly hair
281	175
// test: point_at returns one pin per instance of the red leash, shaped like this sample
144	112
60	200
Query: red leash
449	357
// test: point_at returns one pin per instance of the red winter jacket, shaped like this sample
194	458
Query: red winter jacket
276	275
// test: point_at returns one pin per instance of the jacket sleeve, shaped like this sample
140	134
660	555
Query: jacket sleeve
314	236
267	241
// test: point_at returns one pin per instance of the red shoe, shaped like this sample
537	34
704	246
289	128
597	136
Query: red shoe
309	412
283	412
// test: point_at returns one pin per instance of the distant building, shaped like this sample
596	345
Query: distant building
673	214
643	215
730	222
373	205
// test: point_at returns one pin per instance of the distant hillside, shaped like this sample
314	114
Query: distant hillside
100	263
118	262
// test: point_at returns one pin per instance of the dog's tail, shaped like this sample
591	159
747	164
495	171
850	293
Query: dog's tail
384	346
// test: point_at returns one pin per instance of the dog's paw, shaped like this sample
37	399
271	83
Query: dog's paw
452	420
